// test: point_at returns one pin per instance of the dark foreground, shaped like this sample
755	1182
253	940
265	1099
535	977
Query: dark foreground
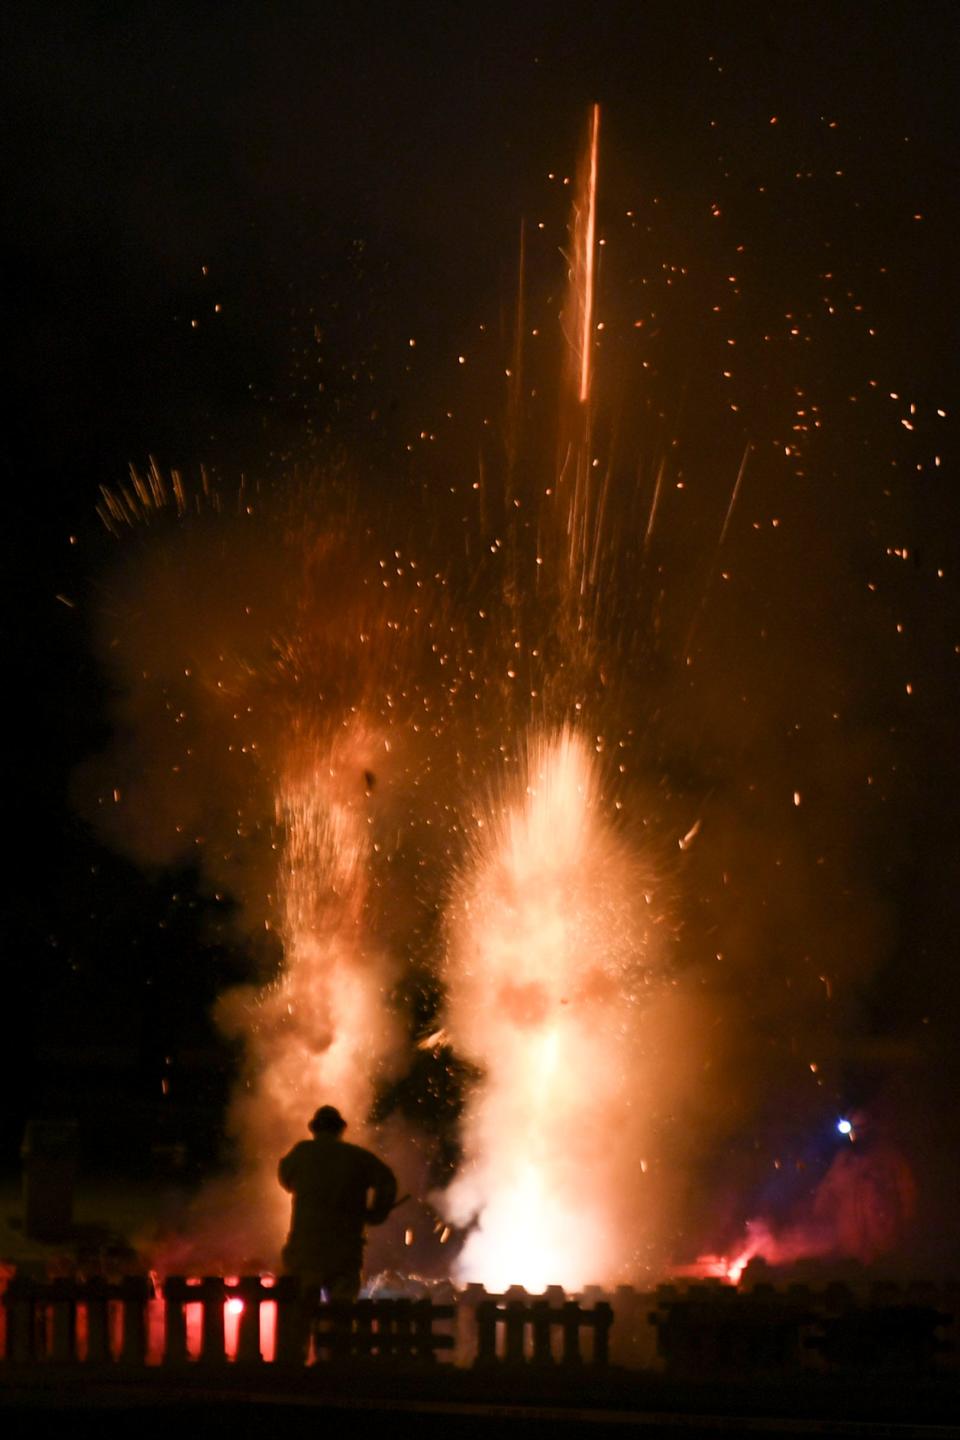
358	1400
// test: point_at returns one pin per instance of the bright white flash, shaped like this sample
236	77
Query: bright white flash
553	964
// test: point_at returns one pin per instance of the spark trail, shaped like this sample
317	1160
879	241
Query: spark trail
587	257
553	955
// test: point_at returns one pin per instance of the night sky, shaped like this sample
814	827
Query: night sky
222	227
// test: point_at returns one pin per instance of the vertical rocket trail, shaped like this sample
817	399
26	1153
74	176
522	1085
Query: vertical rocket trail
588	258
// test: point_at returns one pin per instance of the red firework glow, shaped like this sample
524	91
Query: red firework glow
860	1210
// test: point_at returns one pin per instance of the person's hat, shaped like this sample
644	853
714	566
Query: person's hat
328	1117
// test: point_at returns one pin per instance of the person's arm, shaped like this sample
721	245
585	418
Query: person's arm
286	1170
383	1183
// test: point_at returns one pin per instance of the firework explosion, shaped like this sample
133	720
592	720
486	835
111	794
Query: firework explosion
553	977
361	731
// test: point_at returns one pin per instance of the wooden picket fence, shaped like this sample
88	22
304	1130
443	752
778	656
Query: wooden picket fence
130	1322
41	1320
690	1331
522	1332
717	1330
381	1329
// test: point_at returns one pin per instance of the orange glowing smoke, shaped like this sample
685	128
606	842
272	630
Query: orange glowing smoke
323	1028
553	969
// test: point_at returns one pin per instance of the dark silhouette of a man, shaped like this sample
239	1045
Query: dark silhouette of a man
338	1189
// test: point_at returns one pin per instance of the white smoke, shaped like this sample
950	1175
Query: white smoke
558	986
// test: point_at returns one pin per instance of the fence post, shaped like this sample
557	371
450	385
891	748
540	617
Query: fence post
292	1325
250	1292
570	1321
334	1340
403	1328
364	1312
134	1290
515	1325
466	1323
63	1337
212	1298
486	1332
424	1318
542	1350
602	1320
96	1294
21	1319
174	1320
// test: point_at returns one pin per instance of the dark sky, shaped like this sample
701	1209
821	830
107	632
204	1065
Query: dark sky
365	168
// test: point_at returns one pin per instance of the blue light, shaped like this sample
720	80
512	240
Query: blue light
844	1126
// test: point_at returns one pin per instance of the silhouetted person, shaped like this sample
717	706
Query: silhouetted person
338	1189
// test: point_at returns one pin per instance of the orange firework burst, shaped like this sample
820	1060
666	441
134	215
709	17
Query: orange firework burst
555	966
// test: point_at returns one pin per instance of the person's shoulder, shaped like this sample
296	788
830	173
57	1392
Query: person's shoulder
355	1151
302	1147
361	1155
